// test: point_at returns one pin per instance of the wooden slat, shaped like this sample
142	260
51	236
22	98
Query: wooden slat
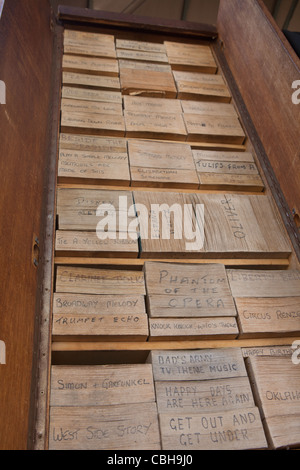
144	56
213	129
150	83
83	106
90	123
190	57
145	46
93	144
138	104
91	95
90	81
208	108
91	65
280	350
155	125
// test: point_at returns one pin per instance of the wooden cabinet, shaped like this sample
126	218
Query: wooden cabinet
51	107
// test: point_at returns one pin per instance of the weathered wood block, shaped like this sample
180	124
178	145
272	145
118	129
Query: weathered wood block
89	50
232	170
93	123
89	44
257	283
203	92
93	167
268	317
144	56
209	225
92	143
84	37
119	427
177	291
274	351
83	106
190	57
226	430
205	364
179	329
90	81
204	395
147	82
162	164
276	384
155	125
91	95
101	385
145	46
146	66
137	104
91	65
79	280
208	108
213	129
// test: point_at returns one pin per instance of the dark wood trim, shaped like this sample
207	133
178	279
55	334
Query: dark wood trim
140	23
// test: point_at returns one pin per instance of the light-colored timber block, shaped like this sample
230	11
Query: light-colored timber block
276	351
85	37
268	317
91	65
158	164
208	108
187	291
84	106
144	56
203	91
204	364
190	57
89	44
93	123
98	82
149	83
204	395
119	427
226	430
132	45
155	125
214	129
140	104
92	143
91	95
146	66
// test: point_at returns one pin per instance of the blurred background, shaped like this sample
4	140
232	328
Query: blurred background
285	12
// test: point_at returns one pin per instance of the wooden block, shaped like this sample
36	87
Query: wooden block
194	77
192	329
92	123
217	171
92	167
219	226
174	290
119	427
268	317
190	57
100	327
89	44
84	37
149	83
204	395
84	80
88	244
204	364
208	108
226	430
79	280
276	351
80	198
101	385
203	92
91	65
95	107
276	383
155	125
131	45
146	66
92	144
144	56
91	95
137	104
87	220
162	164
89	50
257	283
213	129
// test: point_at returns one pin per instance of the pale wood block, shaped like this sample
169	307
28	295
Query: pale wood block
228	430
201	78
213	129
205	364
163	178
87	220
231	182
145	46
138	104
146	66
113	304
91	95
99	281
261	283
91	65
208	108
89	44
155	125
174	290
203	91
93	123
268	317
144	56
277	351
89	50
88	243
119	427
91	199
101	385
190	57
204	395
84	37
93	167
100	327
90	81
192	329
149	83
226	157
92	143
83	106
283	431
